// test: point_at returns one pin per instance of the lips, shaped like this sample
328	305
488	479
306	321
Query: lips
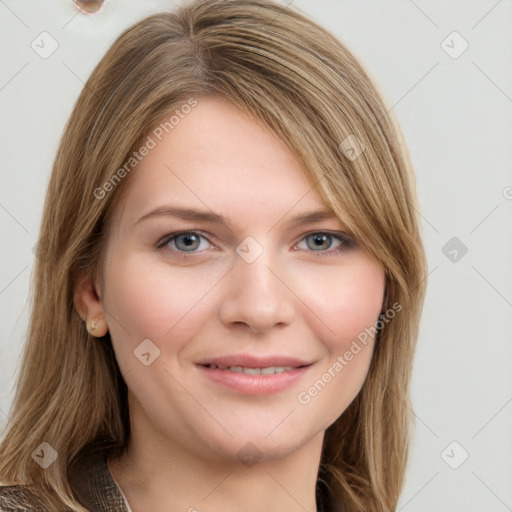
254	375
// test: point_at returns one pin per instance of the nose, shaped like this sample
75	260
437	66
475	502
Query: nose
257	296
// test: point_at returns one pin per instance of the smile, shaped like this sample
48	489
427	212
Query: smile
248	380
269	370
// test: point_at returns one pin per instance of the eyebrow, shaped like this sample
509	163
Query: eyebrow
192	214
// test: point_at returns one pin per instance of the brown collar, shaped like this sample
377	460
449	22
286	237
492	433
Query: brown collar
93	484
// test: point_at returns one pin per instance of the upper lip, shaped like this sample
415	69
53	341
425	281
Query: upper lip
253	361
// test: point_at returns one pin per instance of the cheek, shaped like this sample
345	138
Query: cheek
150	300
349	309
345	302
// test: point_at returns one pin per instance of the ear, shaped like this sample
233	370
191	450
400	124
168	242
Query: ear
88	304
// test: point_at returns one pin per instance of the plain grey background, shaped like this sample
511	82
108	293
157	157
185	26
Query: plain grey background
454	105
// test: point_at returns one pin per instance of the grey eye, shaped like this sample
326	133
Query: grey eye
187	241
319	241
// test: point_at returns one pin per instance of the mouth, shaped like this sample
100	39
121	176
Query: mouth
253	375
268	370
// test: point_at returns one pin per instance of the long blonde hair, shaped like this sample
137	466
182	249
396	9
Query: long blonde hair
288	72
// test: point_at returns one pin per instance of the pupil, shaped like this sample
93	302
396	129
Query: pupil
319	239
189	240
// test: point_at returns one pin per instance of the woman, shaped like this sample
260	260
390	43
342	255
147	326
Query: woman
229	280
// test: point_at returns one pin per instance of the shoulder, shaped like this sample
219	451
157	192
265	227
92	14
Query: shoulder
91	483
18	498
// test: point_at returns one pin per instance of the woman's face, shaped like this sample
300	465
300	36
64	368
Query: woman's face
262	290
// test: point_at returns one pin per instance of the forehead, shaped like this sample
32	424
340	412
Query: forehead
219	158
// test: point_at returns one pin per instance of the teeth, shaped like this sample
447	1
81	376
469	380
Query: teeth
270	370
250	371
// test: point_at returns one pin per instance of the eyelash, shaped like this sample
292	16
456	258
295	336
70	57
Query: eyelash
347	243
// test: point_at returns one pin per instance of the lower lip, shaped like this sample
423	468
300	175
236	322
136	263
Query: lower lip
254	384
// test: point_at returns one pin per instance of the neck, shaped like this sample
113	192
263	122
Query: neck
160	478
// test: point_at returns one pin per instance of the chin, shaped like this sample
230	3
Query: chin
255	445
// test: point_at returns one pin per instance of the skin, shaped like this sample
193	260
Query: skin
187	430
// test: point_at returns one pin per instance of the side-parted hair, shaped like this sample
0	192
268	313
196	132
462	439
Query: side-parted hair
286	71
